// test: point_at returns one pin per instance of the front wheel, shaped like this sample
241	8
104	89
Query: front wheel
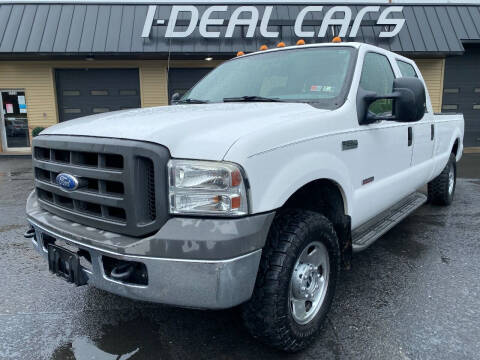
296	281
442	188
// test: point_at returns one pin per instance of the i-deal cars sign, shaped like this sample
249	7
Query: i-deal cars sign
249	17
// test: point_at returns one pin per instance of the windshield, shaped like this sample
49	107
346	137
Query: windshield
308	75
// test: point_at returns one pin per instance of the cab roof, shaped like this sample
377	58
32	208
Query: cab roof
341	44
353	44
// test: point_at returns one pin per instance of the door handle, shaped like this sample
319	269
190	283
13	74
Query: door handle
432	132
410	136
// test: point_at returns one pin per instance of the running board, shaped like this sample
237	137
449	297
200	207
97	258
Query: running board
366	234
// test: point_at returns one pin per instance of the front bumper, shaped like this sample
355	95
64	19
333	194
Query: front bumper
188	282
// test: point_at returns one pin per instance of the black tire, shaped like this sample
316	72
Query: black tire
268	315
439	192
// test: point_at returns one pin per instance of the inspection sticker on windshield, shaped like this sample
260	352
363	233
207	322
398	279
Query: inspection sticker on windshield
323	88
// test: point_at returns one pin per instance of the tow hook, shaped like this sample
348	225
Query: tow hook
30	233
122	272
130	272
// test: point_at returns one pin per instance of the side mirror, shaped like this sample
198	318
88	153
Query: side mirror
174	99
408	105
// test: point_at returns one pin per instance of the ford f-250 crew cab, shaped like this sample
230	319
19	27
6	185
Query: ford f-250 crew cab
254	189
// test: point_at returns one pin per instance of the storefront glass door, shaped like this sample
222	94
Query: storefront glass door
14	125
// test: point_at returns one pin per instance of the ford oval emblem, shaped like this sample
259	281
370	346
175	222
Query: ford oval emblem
67	181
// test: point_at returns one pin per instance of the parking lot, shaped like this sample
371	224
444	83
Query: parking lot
415	294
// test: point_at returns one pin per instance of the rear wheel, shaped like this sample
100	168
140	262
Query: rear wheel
442	188
296	281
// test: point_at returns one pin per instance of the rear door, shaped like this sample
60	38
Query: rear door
82	92
423	131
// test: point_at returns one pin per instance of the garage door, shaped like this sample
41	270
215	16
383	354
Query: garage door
82	92
461	91
182	80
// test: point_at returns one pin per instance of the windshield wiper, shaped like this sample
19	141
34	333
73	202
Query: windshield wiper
191	101
251	98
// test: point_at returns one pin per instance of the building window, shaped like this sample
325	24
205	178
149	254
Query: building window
128	92
100	110
99	92
450	107
14	118
476	107
451	91
477	90
71	92
72	111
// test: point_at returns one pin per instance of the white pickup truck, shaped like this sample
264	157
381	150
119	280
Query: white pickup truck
255	189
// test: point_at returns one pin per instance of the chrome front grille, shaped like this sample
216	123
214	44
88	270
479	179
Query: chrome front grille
123	182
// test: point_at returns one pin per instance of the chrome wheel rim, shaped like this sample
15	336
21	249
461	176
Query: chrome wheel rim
451	180
309	282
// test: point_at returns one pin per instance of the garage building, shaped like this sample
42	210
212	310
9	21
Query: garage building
60	60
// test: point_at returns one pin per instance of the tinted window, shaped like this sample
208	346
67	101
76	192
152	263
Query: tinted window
377	76
406	69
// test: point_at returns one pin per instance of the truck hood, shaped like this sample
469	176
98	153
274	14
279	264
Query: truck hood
205	131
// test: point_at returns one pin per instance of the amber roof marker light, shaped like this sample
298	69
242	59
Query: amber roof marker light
301	42
337	39
240	53
280	44
263	47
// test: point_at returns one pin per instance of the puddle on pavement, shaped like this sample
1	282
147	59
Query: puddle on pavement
82	348
170	334
143	338
404	247
474	182
129	340
428	219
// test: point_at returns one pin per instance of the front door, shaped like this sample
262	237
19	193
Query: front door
14	127
385	151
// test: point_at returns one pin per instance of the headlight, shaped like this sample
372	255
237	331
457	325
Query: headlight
206	187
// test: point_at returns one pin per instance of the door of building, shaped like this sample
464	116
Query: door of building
461	91
82	92
180	80
14	120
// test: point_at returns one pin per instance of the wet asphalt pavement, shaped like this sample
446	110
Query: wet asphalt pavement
414	294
